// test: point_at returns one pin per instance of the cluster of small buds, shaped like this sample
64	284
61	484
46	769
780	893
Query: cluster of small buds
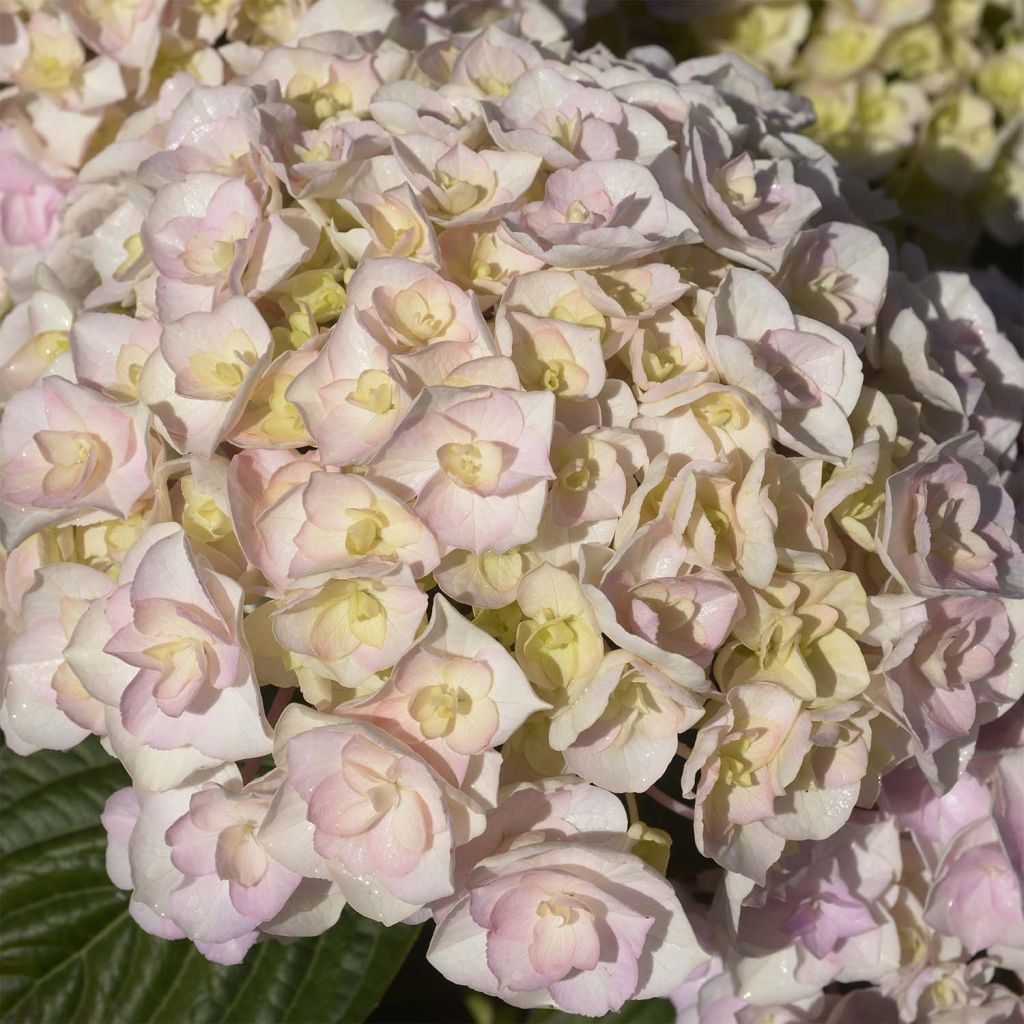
413	427
925	95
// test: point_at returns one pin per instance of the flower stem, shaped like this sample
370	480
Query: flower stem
673	805
281	701
631	807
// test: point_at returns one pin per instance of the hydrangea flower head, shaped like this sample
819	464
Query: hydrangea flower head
548	460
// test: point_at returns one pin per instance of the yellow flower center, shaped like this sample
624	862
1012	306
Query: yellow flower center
437	709
366	532
476	466
374	392
577	213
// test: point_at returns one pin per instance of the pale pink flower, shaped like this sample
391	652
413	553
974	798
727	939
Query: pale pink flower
745	207
136	823
722	511
480	257
337	16
347	396
476	462
44	705
428	325
383	202
196	868
553	335
65	450
351	625
950	987
542	812
213	129
129	33
998	762
747	752
270	420
230	886
317	83
666	356
976	894
120	261
257	481
594	471
558	640
967	346
493	61
806	376
826	917
738	85
597	215
458	186
707	421
17	575
199	230
333	157
34	337
835	772
32	196
621	731
42	54
572	924
939	343
901	348
829	913
653	602
948	526
297	519
454	698
198	380
712	995
360	808
109	351
165	654
633	292
406	107
488	580
322	315
836	273
815	654
571	122
951	658
934	818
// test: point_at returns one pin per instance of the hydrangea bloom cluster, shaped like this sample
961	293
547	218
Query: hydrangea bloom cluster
925	95
414	426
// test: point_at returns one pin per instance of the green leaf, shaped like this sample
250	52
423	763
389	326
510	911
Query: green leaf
643	1011
69	952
